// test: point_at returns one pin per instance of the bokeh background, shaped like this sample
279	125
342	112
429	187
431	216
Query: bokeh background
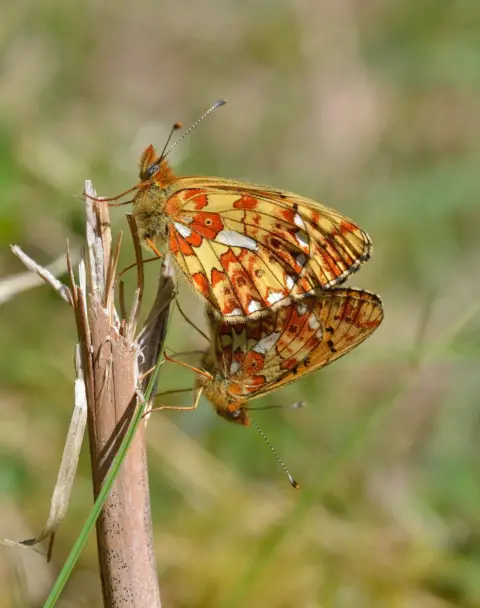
370	107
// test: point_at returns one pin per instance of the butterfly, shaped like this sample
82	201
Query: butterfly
248	360
246	249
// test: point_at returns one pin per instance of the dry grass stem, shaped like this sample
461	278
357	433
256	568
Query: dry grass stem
107	391
124	531
68	466
11	286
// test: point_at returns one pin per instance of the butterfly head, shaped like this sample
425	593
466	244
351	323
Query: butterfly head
150	198
216	389
233	411
155	168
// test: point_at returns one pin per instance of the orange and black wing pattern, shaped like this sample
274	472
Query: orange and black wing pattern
265	354
247	249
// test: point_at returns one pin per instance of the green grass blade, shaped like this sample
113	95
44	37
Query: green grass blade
102	496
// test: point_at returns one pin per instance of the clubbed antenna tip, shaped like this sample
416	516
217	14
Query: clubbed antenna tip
217	104
292	481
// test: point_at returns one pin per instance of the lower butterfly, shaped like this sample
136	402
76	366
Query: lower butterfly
249	360
246	249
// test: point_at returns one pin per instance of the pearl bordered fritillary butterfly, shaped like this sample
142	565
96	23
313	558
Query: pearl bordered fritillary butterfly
246	249
248	360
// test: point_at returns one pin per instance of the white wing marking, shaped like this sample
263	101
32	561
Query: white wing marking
267	343
235	313
298	221
234	367
184	230
254	306
302	239
301	309
235	239
289	282
275	296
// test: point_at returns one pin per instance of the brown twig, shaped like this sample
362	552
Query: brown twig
108	366
110	279
123	306
137	303
124	532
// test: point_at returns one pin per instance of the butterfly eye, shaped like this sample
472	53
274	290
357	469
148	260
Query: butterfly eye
233	412
153	168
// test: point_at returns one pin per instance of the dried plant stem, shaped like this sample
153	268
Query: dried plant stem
124	530
112	389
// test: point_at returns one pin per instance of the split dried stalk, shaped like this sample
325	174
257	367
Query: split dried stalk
68	466
108	368
124	530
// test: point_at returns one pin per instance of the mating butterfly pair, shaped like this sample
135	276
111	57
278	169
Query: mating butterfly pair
267	263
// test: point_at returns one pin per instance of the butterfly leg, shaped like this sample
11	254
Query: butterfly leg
153	247
190	322
195	369
179	407
157	253
113	198
134	265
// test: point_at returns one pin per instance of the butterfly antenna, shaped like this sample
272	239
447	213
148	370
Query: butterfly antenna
175	127
217	104
294	406
277	457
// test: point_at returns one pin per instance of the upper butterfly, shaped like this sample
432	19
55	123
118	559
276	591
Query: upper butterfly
249	360
245	248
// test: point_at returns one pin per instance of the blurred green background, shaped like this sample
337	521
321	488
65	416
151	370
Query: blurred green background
371	108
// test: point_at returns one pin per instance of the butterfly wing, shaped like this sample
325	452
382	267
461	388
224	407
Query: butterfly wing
248	248
267	353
